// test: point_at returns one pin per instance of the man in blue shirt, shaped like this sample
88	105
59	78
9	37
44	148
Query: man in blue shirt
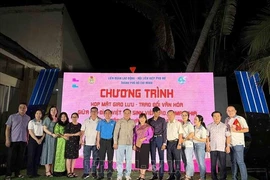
105	130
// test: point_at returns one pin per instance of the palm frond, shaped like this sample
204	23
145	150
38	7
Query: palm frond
262	66
229	17
169	47
161	25
256	37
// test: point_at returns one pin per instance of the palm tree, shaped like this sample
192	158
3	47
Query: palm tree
256	41
154	11
166	26
224	23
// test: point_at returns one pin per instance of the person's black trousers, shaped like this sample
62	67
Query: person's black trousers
216	156
15	157
106	146
33	156
174	159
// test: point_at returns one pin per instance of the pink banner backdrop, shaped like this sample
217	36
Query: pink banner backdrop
139	92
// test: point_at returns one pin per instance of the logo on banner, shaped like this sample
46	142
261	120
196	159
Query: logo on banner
91	79
182	79
74	81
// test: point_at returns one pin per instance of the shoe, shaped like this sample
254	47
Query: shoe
85	176
187	178
154	177
119	178
8	178
94	175
128	178
37	175
99	178
160	178
170	178
19	176
109	178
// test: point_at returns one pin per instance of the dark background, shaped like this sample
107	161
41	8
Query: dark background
116	37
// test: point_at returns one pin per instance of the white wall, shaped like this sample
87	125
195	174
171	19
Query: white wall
36	28
47	32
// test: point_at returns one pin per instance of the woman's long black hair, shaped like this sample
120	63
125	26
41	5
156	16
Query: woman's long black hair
61	122
200	117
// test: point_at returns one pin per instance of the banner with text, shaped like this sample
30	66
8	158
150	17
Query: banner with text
140	92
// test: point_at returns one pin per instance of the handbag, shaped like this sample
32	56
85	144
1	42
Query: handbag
138	143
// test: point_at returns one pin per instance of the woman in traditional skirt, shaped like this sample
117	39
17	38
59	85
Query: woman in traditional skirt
143	132
73	131
59	129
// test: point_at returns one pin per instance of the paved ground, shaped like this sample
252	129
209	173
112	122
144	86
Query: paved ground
135	174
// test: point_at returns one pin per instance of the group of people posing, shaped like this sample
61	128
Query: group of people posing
55	143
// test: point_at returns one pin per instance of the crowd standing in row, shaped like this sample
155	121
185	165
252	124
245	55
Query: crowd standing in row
55	143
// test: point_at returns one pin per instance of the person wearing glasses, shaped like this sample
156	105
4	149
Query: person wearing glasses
48	149
88	140
237	126
73	131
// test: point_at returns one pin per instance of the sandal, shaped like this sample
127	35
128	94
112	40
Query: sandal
74	175
70	175
49	175
143	176
140	178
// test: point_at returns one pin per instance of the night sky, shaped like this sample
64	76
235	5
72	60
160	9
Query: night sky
114	36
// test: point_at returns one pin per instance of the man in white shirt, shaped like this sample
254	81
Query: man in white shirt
174	140
88	139
218	144
238	126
